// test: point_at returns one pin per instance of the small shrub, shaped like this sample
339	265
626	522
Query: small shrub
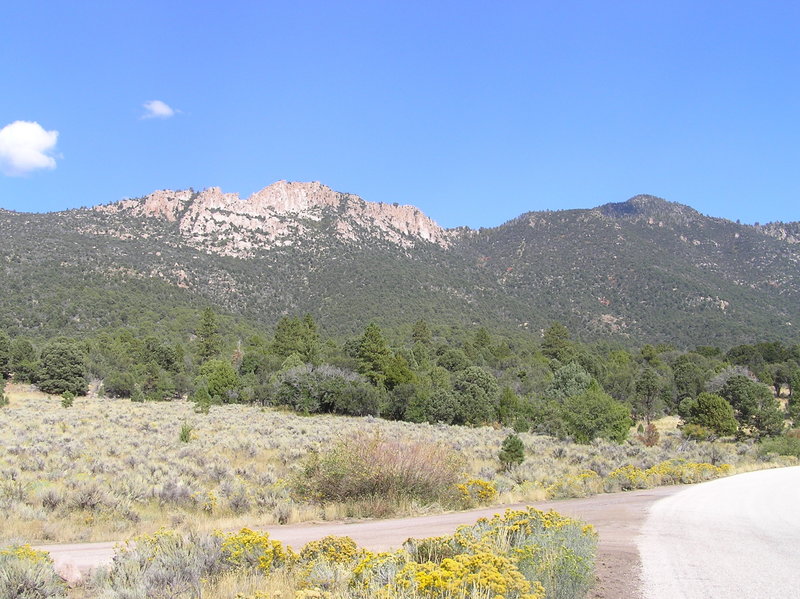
430	549
627	478
576	485
512	452
649	436
336	550
467	575
783	445
89	496
186	432
67	399
364	466
51	499
137	396
202	400
3	398
282	512
28	574
376	573
696	432
163	565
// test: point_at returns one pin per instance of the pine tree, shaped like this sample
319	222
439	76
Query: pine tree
556	343
62	369
310	344
5	355
421	333
512	451
714	413
209	341
202	400
373	354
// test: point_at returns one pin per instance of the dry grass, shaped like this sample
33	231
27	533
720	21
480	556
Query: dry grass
110	469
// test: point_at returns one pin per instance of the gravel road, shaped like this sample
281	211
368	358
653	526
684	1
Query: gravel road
731	537
616	516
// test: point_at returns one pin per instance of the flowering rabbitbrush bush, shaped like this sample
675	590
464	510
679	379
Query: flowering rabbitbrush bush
482	574
476	492
525	554
629	477
671	472
251	549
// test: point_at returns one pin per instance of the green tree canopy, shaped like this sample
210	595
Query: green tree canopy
23	360
595	414
373	354
478	396
311	389
5	355
297	336
568	380
209	341
453	359
62	369
556	343
512	451
755	408
690	375
221	380
421	333
713	412
649	385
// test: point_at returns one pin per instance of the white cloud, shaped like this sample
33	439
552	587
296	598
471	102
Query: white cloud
156	109
25	147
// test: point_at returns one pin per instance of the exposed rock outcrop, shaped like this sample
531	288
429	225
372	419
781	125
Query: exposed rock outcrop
281	214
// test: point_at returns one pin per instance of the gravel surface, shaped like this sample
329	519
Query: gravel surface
616	516
731	537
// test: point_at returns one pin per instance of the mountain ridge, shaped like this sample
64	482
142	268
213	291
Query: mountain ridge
277	215
641	269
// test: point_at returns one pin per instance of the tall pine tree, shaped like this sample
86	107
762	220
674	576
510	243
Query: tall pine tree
209	341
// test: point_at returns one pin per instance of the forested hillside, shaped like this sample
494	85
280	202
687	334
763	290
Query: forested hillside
645	270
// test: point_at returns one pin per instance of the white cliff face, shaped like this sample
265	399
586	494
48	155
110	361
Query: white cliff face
279	215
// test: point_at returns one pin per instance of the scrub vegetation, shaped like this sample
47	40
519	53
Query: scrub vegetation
524	554
108	469
168	439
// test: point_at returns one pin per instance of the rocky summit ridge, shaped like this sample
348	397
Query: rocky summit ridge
280	215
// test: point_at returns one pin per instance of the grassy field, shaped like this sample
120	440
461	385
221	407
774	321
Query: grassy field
110	469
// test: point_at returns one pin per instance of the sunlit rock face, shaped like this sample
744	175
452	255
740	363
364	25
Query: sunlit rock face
281	214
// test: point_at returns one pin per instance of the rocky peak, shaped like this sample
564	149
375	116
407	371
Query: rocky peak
286	196
280	215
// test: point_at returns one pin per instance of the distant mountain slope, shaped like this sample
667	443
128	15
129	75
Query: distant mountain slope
650	269
645	269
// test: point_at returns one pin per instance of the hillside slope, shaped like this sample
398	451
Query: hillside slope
645	269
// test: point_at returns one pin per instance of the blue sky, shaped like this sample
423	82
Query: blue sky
474	112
